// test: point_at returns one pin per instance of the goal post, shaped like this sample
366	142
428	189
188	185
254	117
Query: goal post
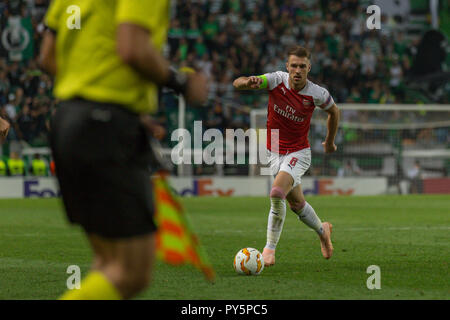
407	144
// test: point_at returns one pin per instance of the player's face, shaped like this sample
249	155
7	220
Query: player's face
298	68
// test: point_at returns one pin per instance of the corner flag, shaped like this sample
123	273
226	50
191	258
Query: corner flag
176	243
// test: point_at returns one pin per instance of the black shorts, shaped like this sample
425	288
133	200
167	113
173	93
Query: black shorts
101	155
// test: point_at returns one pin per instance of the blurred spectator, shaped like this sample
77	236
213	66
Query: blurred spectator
368	61
4	86
16	166
175	34
375	93
255	25
193	32
396	74
183	50
239	119
10	107
210	28
355	96
215	117
425	137
225	87
205	65
387	96
3	168
24	122
38	166
52	167
373	43
14	74
357	27
414	175
349	168
200	48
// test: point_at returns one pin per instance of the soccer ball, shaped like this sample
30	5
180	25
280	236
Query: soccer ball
248	261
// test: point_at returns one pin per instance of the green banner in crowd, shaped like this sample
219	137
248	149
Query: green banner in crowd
17	38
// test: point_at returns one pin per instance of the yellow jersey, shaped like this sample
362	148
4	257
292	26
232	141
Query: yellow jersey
88	65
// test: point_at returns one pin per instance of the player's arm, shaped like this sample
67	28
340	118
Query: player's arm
250	83
135	49
4	128
47	60
332	127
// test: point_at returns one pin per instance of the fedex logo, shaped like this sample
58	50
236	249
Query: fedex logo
327	187
204	187
31	188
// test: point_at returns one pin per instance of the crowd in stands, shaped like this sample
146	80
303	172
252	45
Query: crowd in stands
25	91
230	38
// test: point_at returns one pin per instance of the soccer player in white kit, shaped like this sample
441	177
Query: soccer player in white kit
292	99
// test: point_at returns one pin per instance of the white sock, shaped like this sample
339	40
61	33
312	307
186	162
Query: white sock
276	220
309	217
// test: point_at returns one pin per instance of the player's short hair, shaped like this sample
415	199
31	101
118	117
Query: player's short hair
299	51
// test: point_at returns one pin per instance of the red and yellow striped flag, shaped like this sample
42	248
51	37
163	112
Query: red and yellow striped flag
176	242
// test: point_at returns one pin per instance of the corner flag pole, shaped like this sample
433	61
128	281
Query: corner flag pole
182	115
181	125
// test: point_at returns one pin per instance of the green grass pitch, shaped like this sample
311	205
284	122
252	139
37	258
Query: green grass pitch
408	237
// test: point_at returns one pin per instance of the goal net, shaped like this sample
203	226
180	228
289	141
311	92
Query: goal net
406	144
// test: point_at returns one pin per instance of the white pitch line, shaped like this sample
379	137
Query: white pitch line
264	230
351	229
396	228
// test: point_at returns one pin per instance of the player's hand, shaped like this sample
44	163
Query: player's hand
153	127
329	147
254	82
4	128
197	88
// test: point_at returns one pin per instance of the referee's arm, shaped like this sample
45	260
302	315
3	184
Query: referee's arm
135	49
47	60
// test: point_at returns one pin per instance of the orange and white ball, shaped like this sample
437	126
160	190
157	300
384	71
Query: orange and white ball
248	261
